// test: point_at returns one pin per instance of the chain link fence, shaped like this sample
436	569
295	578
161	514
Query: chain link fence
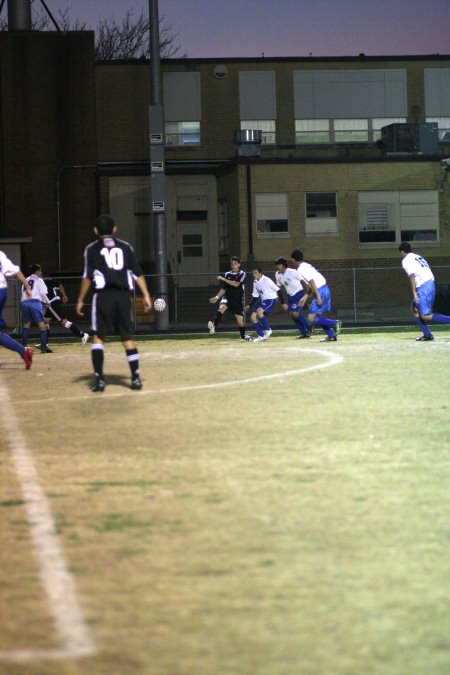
370	295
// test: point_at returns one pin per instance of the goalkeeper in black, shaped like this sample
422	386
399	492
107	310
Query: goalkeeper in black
110	264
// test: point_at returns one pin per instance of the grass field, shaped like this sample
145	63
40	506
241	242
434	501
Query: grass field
257	509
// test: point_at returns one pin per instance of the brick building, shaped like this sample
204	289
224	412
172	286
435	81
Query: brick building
75	142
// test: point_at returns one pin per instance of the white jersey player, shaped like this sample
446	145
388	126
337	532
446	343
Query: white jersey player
264	297
423	289
322	297
9	269
32	310
289	279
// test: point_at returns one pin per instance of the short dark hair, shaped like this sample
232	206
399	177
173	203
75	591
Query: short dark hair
297	255
234	257
35	268
258	269
105	224
281	261
405	247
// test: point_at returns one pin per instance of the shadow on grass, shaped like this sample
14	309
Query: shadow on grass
113	380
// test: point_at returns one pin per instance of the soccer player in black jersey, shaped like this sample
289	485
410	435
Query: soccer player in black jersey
111	265
231	297
58	296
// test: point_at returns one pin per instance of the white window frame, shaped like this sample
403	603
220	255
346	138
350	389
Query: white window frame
272	206
409	214
360	130
312	131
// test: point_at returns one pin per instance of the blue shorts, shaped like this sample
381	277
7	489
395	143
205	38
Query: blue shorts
293	301
266	305
3	296
426	294
325	295
32	311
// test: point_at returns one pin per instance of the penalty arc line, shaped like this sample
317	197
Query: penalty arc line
68	618
333	360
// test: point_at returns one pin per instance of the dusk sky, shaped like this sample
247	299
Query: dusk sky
248	28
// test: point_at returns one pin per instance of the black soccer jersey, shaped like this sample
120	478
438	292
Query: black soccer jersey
111	263
235	294
53	289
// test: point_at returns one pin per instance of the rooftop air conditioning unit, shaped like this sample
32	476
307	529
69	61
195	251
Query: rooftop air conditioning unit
414	139
248	142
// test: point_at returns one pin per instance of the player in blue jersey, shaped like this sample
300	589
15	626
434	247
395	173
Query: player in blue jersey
264	297
8	269
423	289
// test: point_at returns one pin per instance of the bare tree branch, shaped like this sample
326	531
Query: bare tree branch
127	39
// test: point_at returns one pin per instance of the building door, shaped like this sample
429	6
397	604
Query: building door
192	252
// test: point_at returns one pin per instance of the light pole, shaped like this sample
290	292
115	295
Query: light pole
157	167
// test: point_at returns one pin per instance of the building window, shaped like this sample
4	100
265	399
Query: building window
267	127
182	133
443	128
394	216
321	213
351	131
363	130
312	131
272	214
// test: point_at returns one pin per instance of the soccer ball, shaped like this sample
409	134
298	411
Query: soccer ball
159	305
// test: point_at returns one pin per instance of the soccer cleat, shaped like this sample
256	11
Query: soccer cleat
211	328
99	385
46	350
136	383
303	336
84	339
28	357
248	338
267	333
260	338
425	338
338	327
330	339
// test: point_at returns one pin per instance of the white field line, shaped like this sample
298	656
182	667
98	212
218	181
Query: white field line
70	626
333	359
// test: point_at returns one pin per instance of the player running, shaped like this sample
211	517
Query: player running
264	298
287	278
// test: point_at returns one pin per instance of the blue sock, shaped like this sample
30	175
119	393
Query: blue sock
265	324
323	322
326	324
44	338
9	343
440	318
25	335
302	323
258	329
423	327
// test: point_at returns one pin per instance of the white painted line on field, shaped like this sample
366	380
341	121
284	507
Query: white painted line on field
333	359
69	622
